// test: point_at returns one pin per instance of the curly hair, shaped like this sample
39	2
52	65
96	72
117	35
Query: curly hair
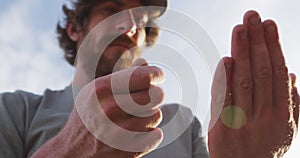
78	16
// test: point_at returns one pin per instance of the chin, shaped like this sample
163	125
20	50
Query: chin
115	60
104	69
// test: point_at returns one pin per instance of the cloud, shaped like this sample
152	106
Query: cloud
30	58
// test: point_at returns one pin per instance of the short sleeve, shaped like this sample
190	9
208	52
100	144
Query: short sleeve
12	117
199	141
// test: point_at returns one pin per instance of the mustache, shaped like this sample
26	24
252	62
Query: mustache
125	41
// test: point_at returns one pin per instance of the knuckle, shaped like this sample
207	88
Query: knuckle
147	78
238	27
148	74
156	94
155	119
264	72
141	101
245	85
142	75
224	99
154	73
157	116
101	86
281	70
110	109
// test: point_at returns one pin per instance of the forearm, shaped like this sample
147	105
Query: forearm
71	142
60	147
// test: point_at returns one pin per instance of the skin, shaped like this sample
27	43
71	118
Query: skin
257	81
123	47
75	140
261	91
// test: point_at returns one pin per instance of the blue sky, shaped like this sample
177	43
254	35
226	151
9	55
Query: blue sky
30	54
31	59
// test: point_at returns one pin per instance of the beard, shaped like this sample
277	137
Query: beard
116	60
94	61
112	60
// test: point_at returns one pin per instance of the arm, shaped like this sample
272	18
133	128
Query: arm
12	125
93	128
199	141
254	100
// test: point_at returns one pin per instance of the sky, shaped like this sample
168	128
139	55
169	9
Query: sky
32	61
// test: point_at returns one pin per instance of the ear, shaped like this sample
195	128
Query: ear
72	32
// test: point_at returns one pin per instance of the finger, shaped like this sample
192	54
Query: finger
296	105
142	124
148	140
112	110
295	99
140	62
141	103
242	76
130	80
260	63
142	141
279	69
154	95
221	89
144	77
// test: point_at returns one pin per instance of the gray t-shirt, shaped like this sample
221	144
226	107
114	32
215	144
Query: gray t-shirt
27	121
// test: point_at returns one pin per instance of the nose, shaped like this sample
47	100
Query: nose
126	24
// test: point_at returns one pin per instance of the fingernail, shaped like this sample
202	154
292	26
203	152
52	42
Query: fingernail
243	34
270	28
254	19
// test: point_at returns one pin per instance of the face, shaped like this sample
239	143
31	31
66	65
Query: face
128	28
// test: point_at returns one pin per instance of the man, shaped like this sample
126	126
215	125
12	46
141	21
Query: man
50	126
